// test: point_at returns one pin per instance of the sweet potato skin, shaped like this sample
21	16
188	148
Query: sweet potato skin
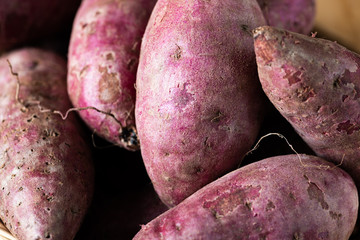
277	198
103	59
26	20
315	85
293	15
198	99
46	173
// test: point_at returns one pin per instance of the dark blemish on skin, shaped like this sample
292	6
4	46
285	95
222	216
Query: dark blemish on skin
218	116
336	83
270	206
348	127
246	29
128	135
315	193
248	205
207	143
74	211
178	53
292	196
177	227
108	86
304	93
296	236
82	71
292	77
110	57
344	97
226	202
335	216
33	65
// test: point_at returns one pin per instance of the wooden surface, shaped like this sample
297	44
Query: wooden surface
340	21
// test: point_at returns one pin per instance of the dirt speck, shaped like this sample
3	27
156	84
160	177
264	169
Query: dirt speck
108	86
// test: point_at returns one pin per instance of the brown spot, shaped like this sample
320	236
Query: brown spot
270	206
246	29
334	215
178	52
110	57
296	236
348	127
108	86
83	70
304	93
248	205
344	97
315	193
217	117
292	196
227	202
292	77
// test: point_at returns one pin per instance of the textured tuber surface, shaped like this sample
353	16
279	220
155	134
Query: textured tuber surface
46	173
198	105
315	85
281	197
103	59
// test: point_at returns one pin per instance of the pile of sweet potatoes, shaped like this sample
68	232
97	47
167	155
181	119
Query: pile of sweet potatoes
176	119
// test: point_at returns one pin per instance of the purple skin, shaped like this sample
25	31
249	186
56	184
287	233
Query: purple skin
46	173
24	20
276	198
199	101
315	85
103	59
293	15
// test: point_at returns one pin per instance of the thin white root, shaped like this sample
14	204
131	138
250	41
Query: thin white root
37	103
321	166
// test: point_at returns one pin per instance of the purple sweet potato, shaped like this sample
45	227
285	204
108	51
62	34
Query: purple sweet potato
25	20
46	172
103	59
293	15
280	197
199	103
315	85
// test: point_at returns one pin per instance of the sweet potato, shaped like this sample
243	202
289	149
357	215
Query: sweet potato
281	197
25	20
315	85
103	59
46	173
293	15
198	104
